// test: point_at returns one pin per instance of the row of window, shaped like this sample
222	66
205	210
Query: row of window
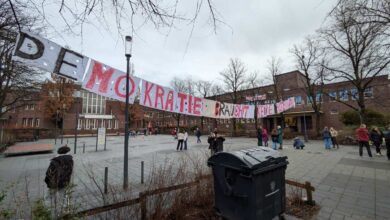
93	103
87	124
342	95
30	122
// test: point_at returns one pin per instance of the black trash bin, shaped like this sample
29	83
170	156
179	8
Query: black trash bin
249	184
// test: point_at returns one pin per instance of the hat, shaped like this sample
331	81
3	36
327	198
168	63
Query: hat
63	150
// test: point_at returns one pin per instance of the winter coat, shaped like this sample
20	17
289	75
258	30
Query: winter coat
280	135
219	143
376	137
59	172
298	144
198	133
259	135
362	134
180	136
334	133
386	135
326	134
265	135
275	138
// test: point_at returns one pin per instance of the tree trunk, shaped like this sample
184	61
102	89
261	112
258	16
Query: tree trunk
362	107
318	123
234	127
256	123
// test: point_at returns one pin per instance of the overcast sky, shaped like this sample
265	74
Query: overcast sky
255	30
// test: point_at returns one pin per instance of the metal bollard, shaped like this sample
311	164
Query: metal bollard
142	172
105	180
84	147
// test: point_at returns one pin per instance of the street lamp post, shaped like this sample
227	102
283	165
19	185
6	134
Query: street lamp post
128	45
77	120
56	127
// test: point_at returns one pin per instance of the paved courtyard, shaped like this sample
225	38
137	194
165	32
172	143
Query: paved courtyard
347	186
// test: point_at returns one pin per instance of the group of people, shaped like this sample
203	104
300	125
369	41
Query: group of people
376	136
330	138
182	138
276	137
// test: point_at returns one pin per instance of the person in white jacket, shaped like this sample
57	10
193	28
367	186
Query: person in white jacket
185	140
180	139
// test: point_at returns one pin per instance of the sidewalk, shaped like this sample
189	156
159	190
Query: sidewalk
347	186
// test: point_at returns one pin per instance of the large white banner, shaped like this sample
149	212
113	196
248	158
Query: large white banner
157	97
49	56
285	105
109	82
265	110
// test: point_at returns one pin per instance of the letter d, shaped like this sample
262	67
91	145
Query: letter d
26	50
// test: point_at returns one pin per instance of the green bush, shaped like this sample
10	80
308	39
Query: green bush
372	117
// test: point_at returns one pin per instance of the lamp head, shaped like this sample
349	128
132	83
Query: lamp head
128	45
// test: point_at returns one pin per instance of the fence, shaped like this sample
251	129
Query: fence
143	196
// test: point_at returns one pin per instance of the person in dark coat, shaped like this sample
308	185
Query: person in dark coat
298	144
219	143
386	135
211	141
274	138
376	137
363	138
260	136
198	134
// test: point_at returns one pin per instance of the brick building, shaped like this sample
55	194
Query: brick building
290	84
96	111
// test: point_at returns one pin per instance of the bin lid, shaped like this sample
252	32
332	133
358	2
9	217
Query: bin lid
252	159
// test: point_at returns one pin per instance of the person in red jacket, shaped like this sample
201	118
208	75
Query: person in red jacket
362	136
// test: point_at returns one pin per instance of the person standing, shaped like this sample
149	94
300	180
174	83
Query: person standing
280	137
327	138
260	136
180	139
198	134
274	138
265	137
386	135
58	176
219	139
211	141
376	137
185	139
362	137
334	133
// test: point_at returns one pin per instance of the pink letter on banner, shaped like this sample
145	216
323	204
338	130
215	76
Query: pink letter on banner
197	106
157	97
109	82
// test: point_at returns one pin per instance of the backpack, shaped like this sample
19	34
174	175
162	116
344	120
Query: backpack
59	172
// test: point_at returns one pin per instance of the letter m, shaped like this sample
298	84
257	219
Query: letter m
99	75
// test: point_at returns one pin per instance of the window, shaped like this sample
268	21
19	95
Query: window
319	97
368	92
343	95
79	124
334	112
332	96
94	124
109	124
30	122
37	122
116	124
32	107
24	122
93	103
354	94
298	100
87	123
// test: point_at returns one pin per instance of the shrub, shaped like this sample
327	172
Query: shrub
372	117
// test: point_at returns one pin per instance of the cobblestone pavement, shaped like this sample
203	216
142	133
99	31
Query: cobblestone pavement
347	186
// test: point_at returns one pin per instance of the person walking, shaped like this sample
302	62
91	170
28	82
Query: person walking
265	137
334	133
185	139
280	137
386	135
57	179
180	139
274	138
376	137
260	136
198	134
327	138
363	137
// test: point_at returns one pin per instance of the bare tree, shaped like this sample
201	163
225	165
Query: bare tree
203	90
234	80
252	84
357	51
19	84
309	60
274	69
134	13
